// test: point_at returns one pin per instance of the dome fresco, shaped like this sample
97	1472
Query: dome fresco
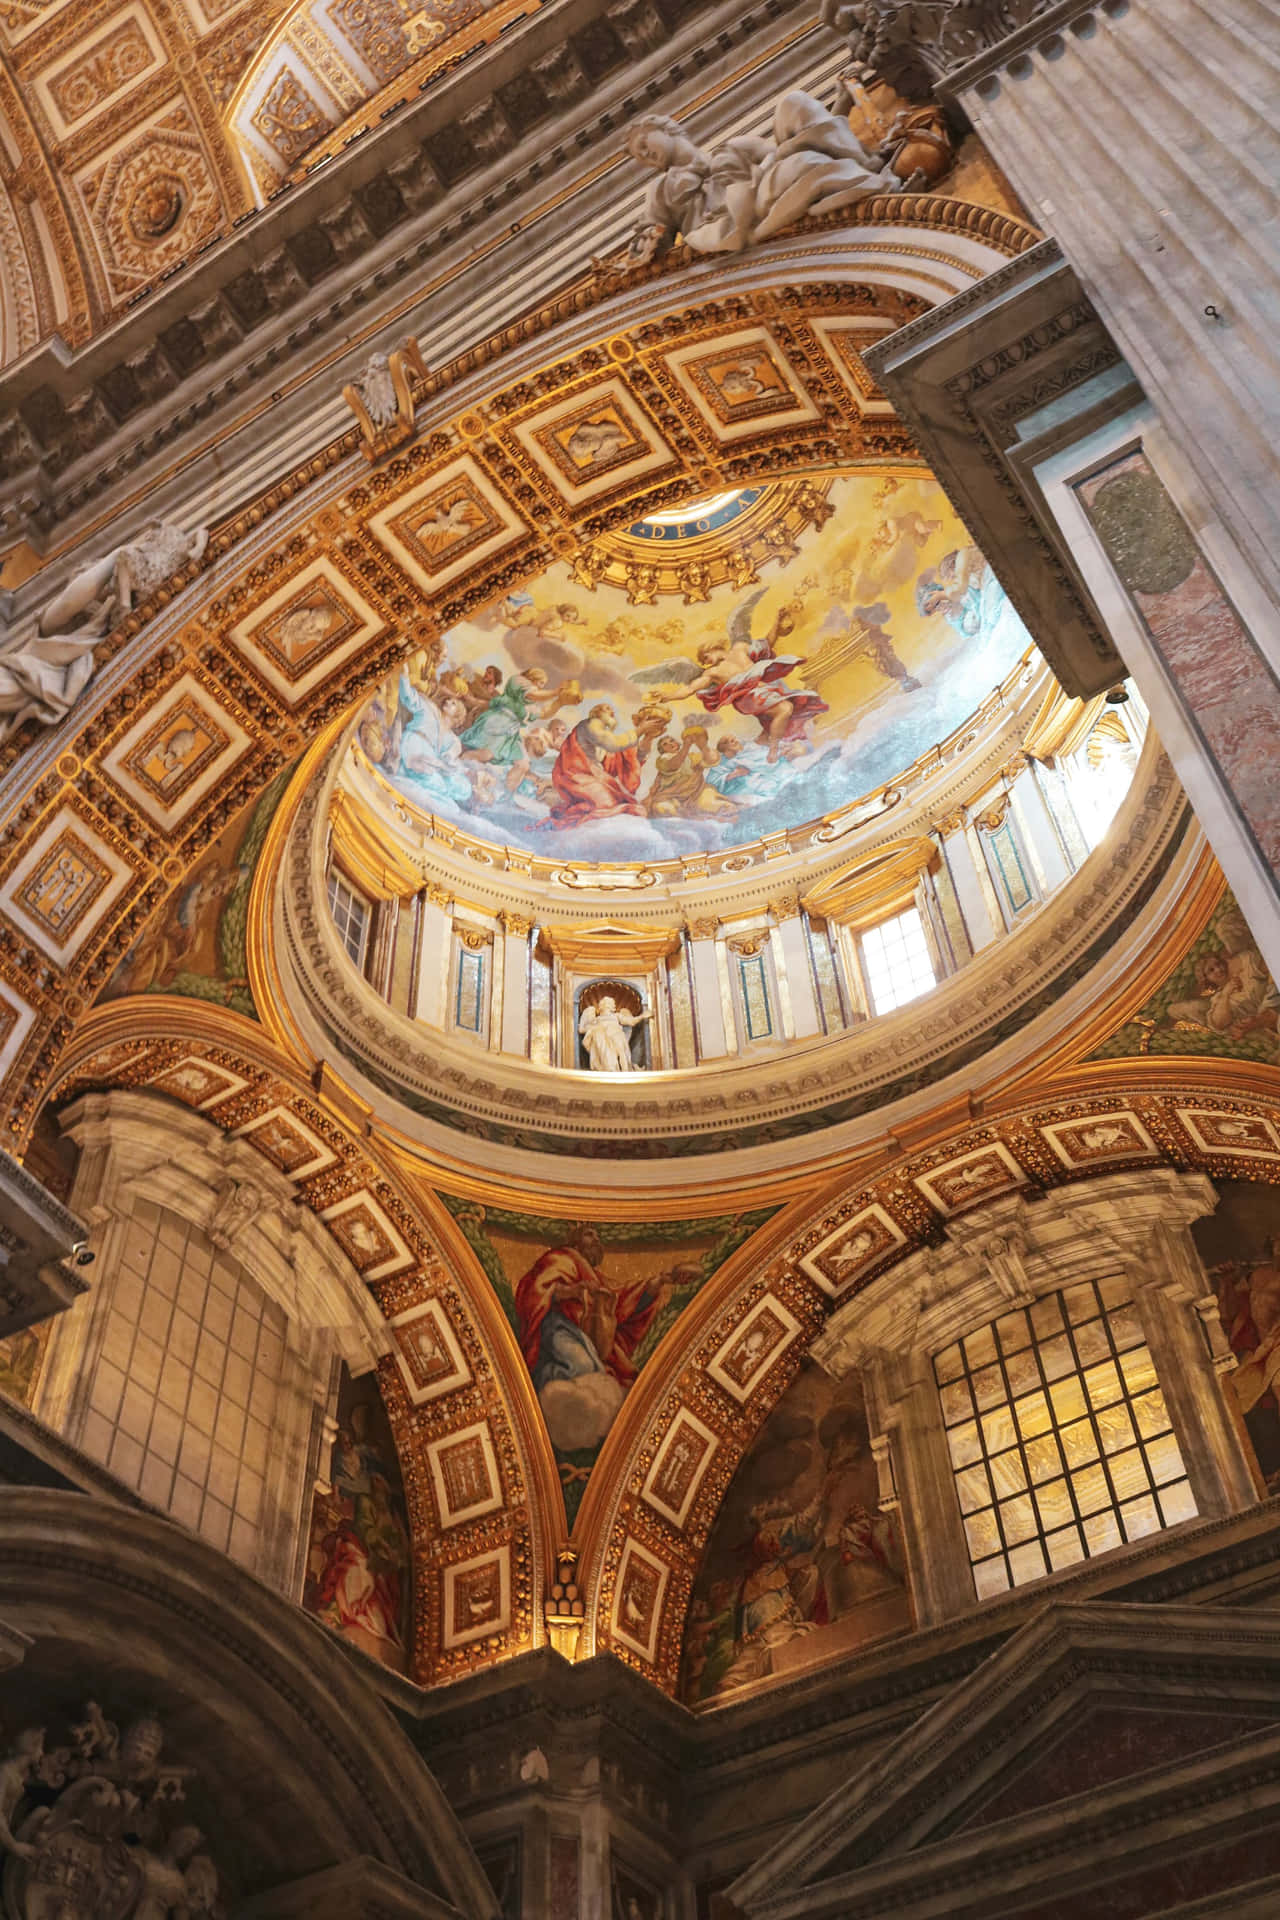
783	679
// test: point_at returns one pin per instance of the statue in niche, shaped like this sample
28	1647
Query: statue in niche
87	1830
43	679
749	189
607	1027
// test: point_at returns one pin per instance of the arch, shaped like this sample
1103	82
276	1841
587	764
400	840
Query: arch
300	1764
218	1065
1158	1109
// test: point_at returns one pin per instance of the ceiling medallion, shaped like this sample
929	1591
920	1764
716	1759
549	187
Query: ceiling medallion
720	540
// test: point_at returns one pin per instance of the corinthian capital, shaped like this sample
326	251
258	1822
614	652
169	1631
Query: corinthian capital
914	45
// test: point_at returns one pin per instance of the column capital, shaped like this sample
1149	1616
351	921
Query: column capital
926	45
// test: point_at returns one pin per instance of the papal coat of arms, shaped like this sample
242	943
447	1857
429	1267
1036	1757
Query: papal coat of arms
89	1831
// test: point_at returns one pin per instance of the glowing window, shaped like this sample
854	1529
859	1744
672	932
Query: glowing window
895	956
1060	1440
350	917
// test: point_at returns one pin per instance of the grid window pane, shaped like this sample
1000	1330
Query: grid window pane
957	1403
974	1489
1023	1371
895	956
1014	1332
1072	1452
991	1578
1008	1473
1046	1316
1065	1548
1177	1503
350	917
965	1444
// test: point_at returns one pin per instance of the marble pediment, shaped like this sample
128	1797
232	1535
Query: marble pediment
1062	1756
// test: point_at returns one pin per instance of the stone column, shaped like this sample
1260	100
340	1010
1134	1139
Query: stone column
431	999
1184	1333
515	983
707	999
974	890
795	973
1145	135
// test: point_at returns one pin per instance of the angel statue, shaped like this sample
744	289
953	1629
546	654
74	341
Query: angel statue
748	675
43	679
750	188
606	1034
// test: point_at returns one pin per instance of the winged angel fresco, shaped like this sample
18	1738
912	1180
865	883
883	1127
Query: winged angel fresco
747	674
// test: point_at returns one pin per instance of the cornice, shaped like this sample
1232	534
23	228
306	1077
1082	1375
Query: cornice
804	1088
886	1685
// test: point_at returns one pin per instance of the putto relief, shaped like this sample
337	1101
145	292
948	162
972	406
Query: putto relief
606	723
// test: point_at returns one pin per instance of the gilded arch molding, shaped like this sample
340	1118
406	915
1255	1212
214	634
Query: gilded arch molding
218	1064
637	1567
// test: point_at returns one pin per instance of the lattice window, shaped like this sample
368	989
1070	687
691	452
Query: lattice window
1060	1439
895	959
350	917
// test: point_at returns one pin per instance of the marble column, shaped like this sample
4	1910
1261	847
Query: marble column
708	1001
515	983
1145	135
431	1000
795	972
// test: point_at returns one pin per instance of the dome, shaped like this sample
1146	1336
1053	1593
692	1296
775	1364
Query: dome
749	663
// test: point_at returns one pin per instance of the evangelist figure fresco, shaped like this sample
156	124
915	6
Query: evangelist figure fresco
1240	1246
579	722
589	1304
358	1562
195	944
801	1565
1220	1000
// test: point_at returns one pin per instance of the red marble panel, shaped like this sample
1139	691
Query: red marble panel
1109	1743
1222	679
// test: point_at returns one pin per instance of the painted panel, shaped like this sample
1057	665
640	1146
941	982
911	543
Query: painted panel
589	1303
1240	1246
1218	1000
801	1566
357	1578
195	944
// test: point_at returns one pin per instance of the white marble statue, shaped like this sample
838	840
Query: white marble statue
378	390
606	1034
44	677
731	196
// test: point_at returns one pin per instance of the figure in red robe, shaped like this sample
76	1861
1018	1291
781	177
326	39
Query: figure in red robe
597	771
574	1321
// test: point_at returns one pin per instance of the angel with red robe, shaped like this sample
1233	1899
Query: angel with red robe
748	675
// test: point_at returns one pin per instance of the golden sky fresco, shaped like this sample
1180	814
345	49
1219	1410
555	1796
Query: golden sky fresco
575	722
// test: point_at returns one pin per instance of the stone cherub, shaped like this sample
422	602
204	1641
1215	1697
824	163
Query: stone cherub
17	1770
43	679
748	189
